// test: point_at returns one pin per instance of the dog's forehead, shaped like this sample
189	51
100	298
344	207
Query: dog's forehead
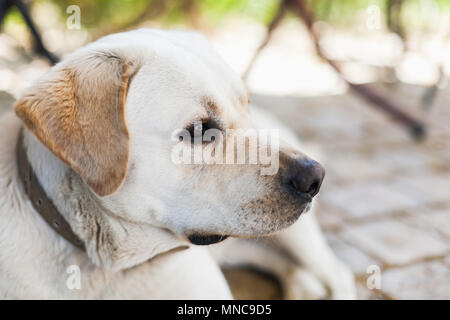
189	53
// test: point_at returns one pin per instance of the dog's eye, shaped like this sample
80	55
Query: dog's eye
199	127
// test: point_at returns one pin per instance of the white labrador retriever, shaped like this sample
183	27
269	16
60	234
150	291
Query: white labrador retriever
97	132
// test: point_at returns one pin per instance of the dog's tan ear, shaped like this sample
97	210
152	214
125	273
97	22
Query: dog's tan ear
77	111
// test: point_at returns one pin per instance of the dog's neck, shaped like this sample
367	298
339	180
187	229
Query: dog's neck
105	235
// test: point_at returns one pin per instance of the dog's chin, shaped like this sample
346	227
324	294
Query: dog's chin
204	240
207	239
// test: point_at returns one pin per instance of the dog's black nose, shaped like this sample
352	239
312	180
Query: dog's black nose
306	177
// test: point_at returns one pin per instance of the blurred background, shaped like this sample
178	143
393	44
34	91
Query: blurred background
363	81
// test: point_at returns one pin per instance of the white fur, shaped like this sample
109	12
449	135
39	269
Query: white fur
158	203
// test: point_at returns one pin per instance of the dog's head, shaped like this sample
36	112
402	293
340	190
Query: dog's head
111	111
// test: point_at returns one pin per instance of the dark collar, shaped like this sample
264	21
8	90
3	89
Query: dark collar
41	203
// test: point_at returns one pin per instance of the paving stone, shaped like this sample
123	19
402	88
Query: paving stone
357	260
393	242
401	183
363	293
328	119
329	218
377	134
351	166
437	220
400	159
368	198
427	280
431	187
439	149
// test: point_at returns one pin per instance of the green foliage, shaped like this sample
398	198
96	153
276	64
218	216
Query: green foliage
118	14
14	16
261	10
98	13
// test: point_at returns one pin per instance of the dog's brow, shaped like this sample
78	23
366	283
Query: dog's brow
210	105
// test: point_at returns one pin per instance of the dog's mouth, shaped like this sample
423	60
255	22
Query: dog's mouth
203	240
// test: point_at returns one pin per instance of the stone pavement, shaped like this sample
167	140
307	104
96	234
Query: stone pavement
386	199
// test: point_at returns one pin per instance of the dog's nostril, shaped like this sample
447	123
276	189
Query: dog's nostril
314	188
307	178
294	185
311	190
